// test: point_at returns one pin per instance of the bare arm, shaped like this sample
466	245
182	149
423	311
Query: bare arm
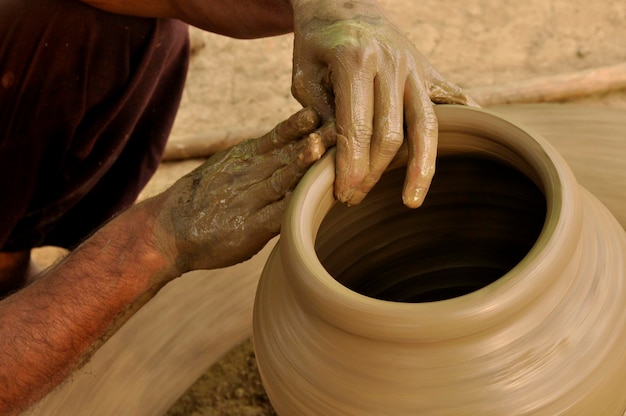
52	326
218	215
243	19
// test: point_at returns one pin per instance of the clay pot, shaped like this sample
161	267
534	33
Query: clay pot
503	295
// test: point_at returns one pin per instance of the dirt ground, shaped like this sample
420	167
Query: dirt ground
246	85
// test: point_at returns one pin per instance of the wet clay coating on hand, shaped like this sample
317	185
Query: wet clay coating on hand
355	67
226	210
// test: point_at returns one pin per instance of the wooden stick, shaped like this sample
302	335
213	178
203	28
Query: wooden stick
543	89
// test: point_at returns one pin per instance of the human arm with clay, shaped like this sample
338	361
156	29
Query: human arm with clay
220	214
350	63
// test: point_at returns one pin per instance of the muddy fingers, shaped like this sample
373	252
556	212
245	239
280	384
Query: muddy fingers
284	179
301	123
271	215
445	92
422	134
327	134
227	209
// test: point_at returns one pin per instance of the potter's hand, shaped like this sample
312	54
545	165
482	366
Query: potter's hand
226	210
352	65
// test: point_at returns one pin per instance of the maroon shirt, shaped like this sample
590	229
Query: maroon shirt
87	101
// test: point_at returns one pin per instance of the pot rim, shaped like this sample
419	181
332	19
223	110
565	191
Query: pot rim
461	130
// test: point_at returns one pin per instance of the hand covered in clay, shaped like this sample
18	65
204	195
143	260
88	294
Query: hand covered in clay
354	67
226	210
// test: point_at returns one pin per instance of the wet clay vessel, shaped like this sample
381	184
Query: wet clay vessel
504	294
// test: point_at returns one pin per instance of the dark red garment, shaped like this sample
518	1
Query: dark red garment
87	101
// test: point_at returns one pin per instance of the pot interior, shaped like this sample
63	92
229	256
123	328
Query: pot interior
480	218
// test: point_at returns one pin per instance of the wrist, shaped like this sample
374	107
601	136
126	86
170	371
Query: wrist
156	248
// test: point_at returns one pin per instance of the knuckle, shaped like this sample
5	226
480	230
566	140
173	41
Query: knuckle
286	153
429	123
393	139
275	136
362	133
298	84
245	150
297	90
352	54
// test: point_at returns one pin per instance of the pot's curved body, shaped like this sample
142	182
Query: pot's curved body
504	295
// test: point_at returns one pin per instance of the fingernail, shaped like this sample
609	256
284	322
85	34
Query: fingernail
413	198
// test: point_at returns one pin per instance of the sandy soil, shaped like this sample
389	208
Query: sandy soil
246	84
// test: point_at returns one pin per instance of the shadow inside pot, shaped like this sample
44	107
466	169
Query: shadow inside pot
480	218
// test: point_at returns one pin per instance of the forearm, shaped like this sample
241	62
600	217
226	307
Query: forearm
220	214
330	11
238	18
50	328
244	18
